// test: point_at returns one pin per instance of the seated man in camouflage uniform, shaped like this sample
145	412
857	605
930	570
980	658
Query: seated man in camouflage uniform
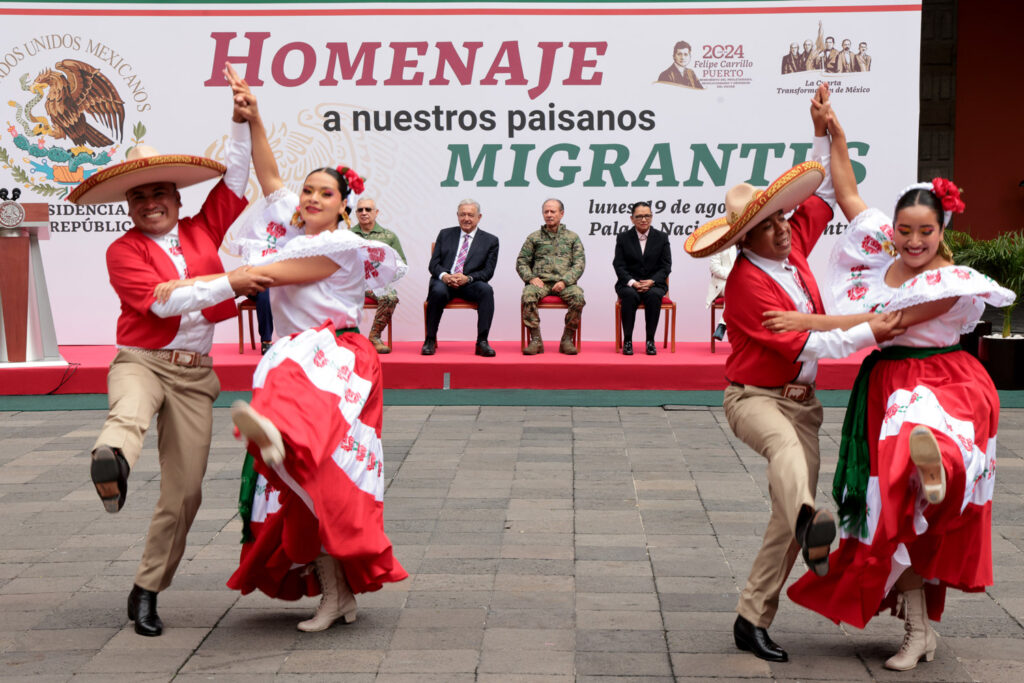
551	262
368	228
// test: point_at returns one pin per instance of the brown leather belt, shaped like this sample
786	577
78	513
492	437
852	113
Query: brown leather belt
187	359
794	392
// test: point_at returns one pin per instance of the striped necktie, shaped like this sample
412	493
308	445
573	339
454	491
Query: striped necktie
461	260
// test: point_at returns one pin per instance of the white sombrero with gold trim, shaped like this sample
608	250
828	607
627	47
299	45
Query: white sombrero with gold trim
143	165
746	206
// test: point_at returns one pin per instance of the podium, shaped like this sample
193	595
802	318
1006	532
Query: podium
26	320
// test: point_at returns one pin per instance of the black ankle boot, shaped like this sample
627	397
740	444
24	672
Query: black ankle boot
142	610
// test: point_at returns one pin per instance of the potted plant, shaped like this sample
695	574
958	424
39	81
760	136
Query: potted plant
958	242
1002	259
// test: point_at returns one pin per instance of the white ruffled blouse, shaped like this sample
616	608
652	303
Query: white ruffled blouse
857	268
268	236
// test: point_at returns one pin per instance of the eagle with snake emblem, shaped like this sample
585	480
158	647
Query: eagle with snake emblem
77	90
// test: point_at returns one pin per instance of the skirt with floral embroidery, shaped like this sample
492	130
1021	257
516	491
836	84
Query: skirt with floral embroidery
949	544
323	391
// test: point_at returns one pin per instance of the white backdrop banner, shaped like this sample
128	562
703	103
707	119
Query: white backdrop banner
597	104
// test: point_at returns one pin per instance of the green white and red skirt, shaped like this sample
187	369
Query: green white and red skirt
323	390
949	544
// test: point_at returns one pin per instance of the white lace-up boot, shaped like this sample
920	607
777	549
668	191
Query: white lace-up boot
919	639
337	601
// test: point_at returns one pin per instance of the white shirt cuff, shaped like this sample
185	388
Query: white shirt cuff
237	154
821	152
837	343
195	297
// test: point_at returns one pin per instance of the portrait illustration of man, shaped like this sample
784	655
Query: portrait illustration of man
678	73
807	56
862	60
791	62
845	60
828	58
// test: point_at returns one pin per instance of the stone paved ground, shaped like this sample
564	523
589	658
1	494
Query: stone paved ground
544	544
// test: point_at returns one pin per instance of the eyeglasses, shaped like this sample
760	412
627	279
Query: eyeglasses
363	209
643	217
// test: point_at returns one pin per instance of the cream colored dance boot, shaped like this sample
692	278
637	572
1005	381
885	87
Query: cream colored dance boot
919	639
337	600
924	451
260	431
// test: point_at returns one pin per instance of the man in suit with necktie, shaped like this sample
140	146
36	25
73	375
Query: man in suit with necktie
460	266
643	260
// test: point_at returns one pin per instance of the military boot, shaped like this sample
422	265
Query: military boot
380	321
536	344
567	345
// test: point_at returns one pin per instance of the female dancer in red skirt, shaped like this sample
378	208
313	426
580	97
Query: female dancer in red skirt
312	503
917	462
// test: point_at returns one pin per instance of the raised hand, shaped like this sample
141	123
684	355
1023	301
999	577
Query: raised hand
242	98
820	108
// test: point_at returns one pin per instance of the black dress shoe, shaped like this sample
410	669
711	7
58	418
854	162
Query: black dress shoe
264	347
142	610
429	347
816	529
652	350
484	349
755	639
109	472
627	348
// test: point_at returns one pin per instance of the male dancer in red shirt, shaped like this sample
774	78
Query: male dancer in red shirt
770	402
162	366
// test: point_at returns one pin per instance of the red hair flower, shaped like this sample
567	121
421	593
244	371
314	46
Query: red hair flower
949	194
355	183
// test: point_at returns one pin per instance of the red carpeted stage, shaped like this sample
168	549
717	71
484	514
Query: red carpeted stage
691	367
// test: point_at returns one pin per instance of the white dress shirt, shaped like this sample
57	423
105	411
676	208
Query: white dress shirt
831	344
195	332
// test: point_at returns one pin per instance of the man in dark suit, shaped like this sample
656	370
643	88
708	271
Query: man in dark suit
643	261
462	263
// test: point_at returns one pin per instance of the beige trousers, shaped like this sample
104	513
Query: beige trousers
786	434
138	387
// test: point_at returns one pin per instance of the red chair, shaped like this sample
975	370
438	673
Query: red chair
667	306
717	305
550	301
455	303
249	306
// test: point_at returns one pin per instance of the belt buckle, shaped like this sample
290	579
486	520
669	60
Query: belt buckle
797	392
187	358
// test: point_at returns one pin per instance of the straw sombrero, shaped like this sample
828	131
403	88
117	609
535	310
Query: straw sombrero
746	206
143	165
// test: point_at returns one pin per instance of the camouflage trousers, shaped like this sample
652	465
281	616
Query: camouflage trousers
572	295
386	304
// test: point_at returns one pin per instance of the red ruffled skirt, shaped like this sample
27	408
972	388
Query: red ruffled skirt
324	392
949	544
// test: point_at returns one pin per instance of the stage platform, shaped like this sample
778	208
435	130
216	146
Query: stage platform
598	367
